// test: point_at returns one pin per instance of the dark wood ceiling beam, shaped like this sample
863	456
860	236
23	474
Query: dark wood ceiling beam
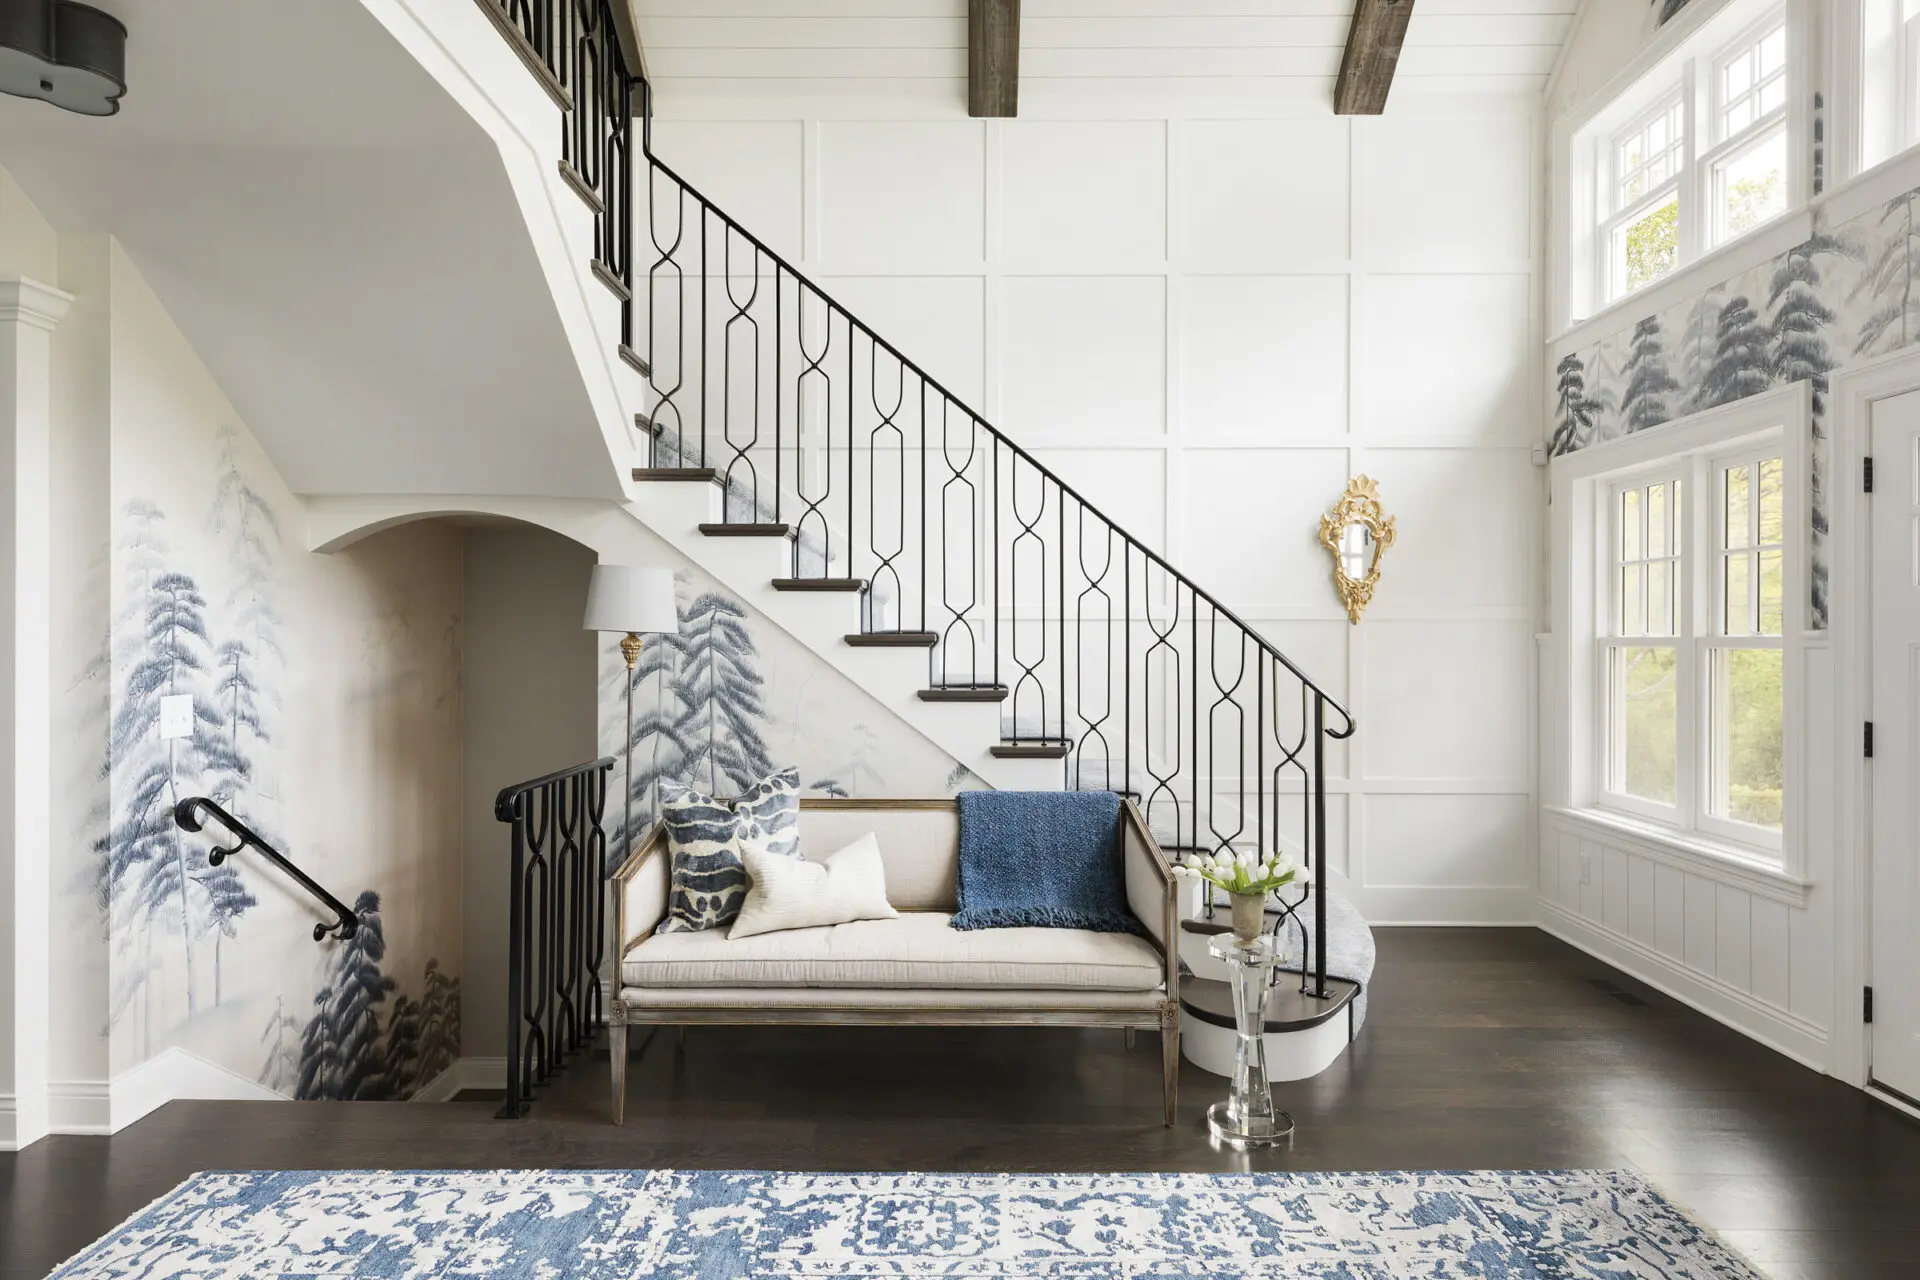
1373	51
993	57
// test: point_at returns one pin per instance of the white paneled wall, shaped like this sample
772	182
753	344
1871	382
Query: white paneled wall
1209	325
1753	953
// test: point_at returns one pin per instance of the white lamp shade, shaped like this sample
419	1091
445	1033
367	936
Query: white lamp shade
631	600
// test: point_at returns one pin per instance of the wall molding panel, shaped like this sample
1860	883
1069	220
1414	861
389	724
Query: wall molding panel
1210	324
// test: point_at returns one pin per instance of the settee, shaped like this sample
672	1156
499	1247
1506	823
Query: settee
914	970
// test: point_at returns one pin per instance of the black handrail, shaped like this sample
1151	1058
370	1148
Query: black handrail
556	922
189	814
998	437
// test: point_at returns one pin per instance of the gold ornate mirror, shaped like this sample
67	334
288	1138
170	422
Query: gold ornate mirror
1356	532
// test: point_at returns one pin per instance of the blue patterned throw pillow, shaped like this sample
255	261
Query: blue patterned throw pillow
706	837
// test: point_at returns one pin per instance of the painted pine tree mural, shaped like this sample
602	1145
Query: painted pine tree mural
281	1038
1743	356
1577	412
439	1023
400	1055
657	747
1802	349
1697	344
1886	288
155	878
342	1053
1648	398
719	685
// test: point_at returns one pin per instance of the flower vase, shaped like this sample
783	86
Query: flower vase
1249	915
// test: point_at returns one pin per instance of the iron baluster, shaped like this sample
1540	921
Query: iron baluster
556	922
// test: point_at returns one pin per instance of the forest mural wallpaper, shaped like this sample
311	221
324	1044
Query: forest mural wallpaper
1848	293
732	697
322	700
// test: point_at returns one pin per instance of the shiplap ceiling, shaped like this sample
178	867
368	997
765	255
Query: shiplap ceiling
1288	48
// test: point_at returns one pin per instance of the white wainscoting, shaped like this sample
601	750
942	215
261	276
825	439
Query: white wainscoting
1751	954
1208	325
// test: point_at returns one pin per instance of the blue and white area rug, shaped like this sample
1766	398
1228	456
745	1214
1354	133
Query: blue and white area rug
635	1224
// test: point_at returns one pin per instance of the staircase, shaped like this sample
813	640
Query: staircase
803	459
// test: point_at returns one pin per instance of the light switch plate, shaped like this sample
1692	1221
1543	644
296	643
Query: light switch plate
176	715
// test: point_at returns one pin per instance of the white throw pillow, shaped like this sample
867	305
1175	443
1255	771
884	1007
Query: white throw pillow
793	893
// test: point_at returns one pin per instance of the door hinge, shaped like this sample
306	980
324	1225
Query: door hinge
1869	742
1866	474
1866	1005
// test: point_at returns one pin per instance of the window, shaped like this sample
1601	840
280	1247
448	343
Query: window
1745	649
1890	78
1692	648
1642	662
1694	155
1747	167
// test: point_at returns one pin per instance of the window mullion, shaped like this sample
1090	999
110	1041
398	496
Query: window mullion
1691	201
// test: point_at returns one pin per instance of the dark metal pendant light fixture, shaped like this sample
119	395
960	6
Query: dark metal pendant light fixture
72	55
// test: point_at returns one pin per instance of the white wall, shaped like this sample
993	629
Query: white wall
531	708
1207	325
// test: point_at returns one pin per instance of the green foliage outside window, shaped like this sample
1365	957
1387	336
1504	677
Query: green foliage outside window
1653	245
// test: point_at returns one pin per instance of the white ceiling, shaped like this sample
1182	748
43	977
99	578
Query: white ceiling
1286	48
337	239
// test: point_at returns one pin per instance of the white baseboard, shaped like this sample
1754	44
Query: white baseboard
463	1074
9	1123
80	1106
174	1074
1781	1031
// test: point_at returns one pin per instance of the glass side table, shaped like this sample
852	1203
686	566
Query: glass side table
1247	1118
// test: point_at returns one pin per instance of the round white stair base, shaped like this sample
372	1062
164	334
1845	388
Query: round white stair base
1291	1055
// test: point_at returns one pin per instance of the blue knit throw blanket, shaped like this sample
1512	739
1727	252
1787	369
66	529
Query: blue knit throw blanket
1042	858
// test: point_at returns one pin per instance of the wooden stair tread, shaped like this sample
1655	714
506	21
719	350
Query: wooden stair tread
965	693
819	584
635	359
893	639
746	529
1032	749
675	473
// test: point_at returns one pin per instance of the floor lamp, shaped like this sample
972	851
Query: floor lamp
631	601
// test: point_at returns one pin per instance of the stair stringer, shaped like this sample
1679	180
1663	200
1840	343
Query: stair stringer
458	46
669	514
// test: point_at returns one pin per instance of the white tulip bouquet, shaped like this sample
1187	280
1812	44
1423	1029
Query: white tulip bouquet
1244	872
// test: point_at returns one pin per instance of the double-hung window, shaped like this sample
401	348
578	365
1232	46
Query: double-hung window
1692	659
1694	155
1745	168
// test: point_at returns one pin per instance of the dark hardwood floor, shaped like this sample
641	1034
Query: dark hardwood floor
1485	1049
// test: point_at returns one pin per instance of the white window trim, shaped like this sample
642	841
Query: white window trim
1581	483
1696	36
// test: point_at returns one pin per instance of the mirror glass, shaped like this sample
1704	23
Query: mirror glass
1356	550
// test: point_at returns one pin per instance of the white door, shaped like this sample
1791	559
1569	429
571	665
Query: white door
1895	586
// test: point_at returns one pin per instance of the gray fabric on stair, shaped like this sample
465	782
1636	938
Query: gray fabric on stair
1350	951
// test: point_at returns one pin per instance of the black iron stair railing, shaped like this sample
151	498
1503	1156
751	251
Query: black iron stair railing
556	922
1099	651
191	815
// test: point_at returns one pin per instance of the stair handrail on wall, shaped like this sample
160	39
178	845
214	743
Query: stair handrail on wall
955	538
556	922
191	814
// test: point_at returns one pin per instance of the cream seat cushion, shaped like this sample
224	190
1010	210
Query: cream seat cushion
916	949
